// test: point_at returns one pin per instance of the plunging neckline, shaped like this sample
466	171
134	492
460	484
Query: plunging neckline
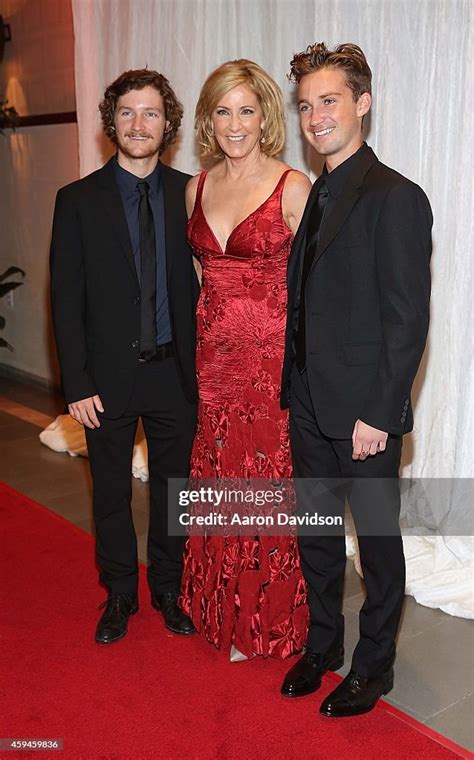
245	219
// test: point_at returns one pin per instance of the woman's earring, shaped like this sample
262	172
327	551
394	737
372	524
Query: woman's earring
262	139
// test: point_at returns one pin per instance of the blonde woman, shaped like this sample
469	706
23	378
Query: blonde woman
243	592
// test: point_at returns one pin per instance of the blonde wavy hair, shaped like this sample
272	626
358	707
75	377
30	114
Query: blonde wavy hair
269	95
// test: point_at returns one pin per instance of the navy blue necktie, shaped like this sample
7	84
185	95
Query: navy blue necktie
312	235
148	274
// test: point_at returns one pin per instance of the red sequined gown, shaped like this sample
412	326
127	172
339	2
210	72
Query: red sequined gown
244	591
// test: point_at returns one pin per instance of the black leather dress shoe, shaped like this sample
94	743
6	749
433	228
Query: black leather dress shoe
356	695
305	676
175	619
113	625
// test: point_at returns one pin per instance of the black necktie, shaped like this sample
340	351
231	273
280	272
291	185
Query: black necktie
312	234
148	274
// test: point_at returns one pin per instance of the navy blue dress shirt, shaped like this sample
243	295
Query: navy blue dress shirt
127	184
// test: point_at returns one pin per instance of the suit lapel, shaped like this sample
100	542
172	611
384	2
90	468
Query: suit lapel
112	202
335	220
345	202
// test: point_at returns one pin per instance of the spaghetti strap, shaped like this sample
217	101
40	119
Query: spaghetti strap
282	180
198	196
200	187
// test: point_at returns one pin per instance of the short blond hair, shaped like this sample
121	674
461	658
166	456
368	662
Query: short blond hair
269	95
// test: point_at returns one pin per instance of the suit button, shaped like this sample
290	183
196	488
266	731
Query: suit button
135	343
403	417
136	300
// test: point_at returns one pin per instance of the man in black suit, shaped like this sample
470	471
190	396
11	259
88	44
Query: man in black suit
124	293
358	312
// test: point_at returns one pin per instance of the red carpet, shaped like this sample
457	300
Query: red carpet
153	695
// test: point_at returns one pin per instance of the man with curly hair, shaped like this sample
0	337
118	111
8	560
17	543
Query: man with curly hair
124	293
358	313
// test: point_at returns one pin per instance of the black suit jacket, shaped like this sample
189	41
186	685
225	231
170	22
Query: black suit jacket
367	301
95	289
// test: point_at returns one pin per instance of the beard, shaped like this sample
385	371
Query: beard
143	149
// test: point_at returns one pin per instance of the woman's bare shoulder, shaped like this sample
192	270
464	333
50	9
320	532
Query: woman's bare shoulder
297	188
297	181
295	194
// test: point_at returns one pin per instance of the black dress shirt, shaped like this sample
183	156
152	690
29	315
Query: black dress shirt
336	180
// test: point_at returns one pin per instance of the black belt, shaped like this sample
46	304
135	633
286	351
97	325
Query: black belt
162	352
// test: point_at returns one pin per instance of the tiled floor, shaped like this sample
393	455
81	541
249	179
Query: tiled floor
435	663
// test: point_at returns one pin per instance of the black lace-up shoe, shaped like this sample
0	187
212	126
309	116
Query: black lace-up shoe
113	625
356	695
305	676
175	619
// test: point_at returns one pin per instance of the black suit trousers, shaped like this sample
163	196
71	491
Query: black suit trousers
169	422
371	488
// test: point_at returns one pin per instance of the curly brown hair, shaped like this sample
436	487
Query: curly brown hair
137	79
347	57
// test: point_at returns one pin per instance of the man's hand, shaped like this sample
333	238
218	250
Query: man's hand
84	411
367	441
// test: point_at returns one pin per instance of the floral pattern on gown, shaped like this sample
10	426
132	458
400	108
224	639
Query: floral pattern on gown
246	591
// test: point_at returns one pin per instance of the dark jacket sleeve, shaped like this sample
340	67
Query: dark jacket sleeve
403	250
68	299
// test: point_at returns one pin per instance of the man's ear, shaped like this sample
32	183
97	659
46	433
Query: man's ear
167	126
364	103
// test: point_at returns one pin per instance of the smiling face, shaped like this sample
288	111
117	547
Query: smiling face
330	119
140	124
237	121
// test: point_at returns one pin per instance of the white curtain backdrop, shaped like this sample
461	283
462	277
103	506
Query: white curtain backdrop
421	124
